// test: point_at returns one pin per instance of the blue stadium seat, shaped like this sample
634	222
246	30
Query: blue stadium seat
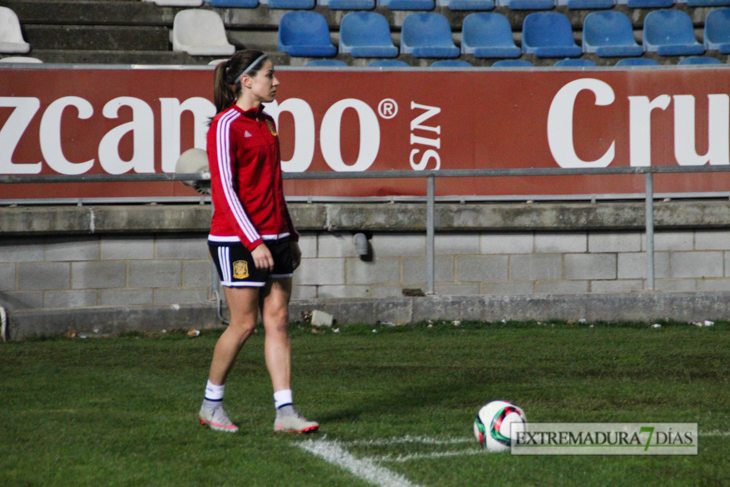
670	33
407	4
609	34
388	63
234	3
637	61
526	4
289	4
646	3
717	30
693	60
348	4
575	63
548	34
586	4
466	4
326	62
305	34
513	63
707	3
427	35
488	35
366	34
451	64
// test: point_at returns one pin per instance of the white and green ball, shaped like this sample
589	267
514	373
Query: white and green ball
195	161
494	423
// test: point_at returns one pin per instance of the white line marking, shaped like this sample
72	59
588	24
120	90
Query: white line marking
715	433
362	468
427	456
423	440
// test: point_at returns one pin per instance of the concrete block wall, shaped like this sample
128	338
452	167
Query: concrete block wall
514	263
174	268
106	270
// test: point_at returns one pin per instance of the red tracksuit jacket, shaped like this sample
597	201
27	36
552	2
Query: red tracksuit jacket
245	171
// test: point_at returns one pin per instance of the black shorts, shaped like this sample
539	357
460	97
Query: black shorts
236	267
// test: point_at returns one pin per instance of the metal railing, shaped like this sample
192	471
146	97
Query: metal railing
431	176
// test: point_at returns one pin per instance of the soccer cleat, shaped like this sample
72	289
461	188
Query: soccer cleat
216	419
294	423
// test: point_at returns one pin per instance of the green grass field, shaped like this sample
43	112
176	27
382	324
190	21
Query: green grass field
122	411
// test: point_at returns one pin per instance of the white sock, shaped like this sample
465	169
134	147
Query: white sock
214	392
283	398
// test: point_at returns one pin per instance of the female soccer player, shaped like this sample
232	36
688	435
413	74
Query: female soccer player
252	239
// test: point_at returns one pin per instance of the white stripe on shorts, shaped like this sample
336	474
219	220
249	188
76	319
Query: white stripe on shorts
243	284
225	265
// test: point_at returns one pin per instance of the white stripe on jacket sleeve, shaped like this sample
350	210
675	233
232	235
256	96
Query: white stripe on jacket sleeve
223	147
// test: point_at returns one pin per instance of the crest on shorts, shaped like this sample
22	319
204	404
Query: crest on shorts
240	269
271	128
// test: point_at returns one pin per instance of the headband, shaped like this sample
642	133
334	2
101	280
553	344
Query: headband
249	68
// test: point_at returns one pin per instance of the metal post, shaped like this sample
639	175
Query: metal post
649	182
215	284
430	269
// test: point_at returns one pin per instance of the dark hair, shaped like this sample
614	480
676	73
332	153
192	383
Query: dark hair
225	88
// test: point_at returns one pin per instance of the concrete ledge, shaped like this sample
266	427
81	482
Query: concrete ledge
403	217
109	320
107	37
641	307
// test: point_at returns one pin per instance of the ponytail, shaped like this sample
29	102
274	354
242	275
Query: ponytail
223	95
227	78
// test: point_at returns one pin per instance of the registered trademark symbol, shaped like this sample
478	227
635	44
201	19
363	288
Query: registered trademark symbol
388	108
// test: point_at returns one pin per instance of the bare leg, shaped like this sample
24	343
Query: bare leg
244	306
275	306
275	309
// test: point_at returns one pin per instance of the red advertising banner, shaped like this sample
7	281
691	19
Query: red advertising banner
126	121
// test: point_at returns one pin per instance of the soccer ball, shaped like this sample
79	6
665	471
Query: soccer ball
493	423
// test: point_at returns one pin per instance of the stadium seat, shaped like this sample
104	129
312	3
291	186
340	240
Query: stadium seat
21	59
388	63
234	3
646	3
407	4
366	34
289	4
488	35
177	3
670	33
466	4
695	60
348	4
707	3
637	61
526	4
11	38
326	62
548	34
427	35
200	33
305	34
451	63
609	34
717	30
586	4
513	63
575	63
